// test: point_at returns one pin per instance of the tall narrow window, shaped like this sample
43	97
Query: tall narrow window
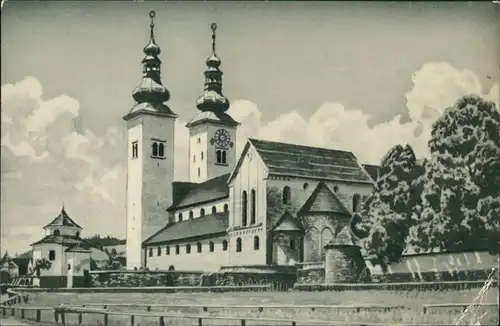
244	208
190	215
177	249
238	245
57	232
150	252
214	209
180	217
188	248
158	251
286	195
135	149
226	208
356	202
199	173
52	255
256	243
223	157
167	250
199	246
224	245
202	156
161	150
218	157
194	158
252	207
211	246
155	149
202	212
292	244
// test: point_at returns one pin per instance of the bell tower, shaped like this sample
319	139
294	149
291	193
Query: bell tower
150	155
212	132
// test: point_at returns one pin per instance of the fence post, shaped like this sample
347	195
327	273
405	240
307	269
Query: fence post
80	318
200	321
132	320
162	321
22	313
56	315
243	322
63	318
38	315
294	323
105	319
12	311
4	311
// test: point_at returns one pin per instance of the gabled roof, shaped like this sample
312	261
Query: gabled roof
309	162
288	223
63	220
372	170
323	200
191	228
189	194
343	238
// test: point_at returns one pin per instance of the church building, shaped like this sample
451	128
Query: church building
274	204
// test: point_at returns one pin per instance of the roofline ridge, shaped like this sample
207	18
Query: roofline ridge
301	145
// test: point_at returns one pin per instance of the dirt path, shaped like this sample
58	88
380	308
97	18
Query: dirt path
11	321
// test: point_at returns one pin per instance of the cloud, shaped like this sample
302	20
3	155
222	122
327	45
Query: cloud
45	160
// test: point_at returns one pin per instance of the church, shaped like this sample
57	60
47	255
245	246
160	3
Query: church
274	204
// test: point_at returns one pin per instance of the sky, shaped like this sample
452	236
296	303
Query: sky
360	76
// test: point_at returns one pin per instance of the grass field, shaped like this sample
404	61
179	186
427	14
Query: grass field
411	314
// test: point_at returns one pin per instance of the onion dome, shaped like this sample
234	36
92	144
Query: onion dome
151	89
212	98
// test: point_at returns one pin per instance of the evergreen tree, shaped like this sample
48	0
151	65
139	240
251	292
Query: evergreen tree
386	216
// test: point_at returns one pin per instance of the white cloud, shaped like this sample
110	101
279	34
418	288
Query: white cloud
46	161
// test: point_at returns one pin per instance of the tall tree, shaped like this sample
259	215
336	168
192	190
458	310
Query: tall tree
387	216
461	197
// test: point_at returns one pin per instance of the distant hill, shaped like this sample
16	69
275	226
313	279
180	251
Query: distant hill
98	242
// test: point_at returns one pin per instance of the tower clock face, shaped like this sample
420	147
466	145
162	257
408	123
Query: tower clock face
222	138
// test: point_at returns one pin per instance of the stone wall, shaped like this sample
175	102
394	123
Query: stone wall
280	277
145	278
311	273
344	264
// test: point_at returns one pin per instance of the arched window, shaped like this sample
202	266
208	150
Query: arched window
150	252
292	244
190	215
158	251
199	246
326	237
202	212
226	208
256	243
214	209
305	186
57	232
252	207
161	150
167	250
177	250
238	245
224	157
188	248
286	195
335	188
180	217
244	208
211	246
356	202
77	234
155	149
224	245
218	156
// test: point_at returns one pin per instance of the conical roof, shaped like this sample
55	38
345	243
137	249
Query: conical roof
63	219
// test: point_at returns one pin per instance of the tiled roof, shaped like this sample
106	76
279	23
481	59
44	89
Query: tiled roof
63	220
288	223
79	247
372	170
310	162
189	194
206	225
60	239
216	117
323	200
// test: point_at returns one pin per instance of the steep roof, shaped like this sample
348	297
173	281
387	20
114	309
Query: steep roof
372	170
188	194
323	200
191	228
309	162
288	223
63	219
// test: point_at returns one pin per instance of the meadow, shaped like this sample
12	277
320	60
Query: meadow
412	313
